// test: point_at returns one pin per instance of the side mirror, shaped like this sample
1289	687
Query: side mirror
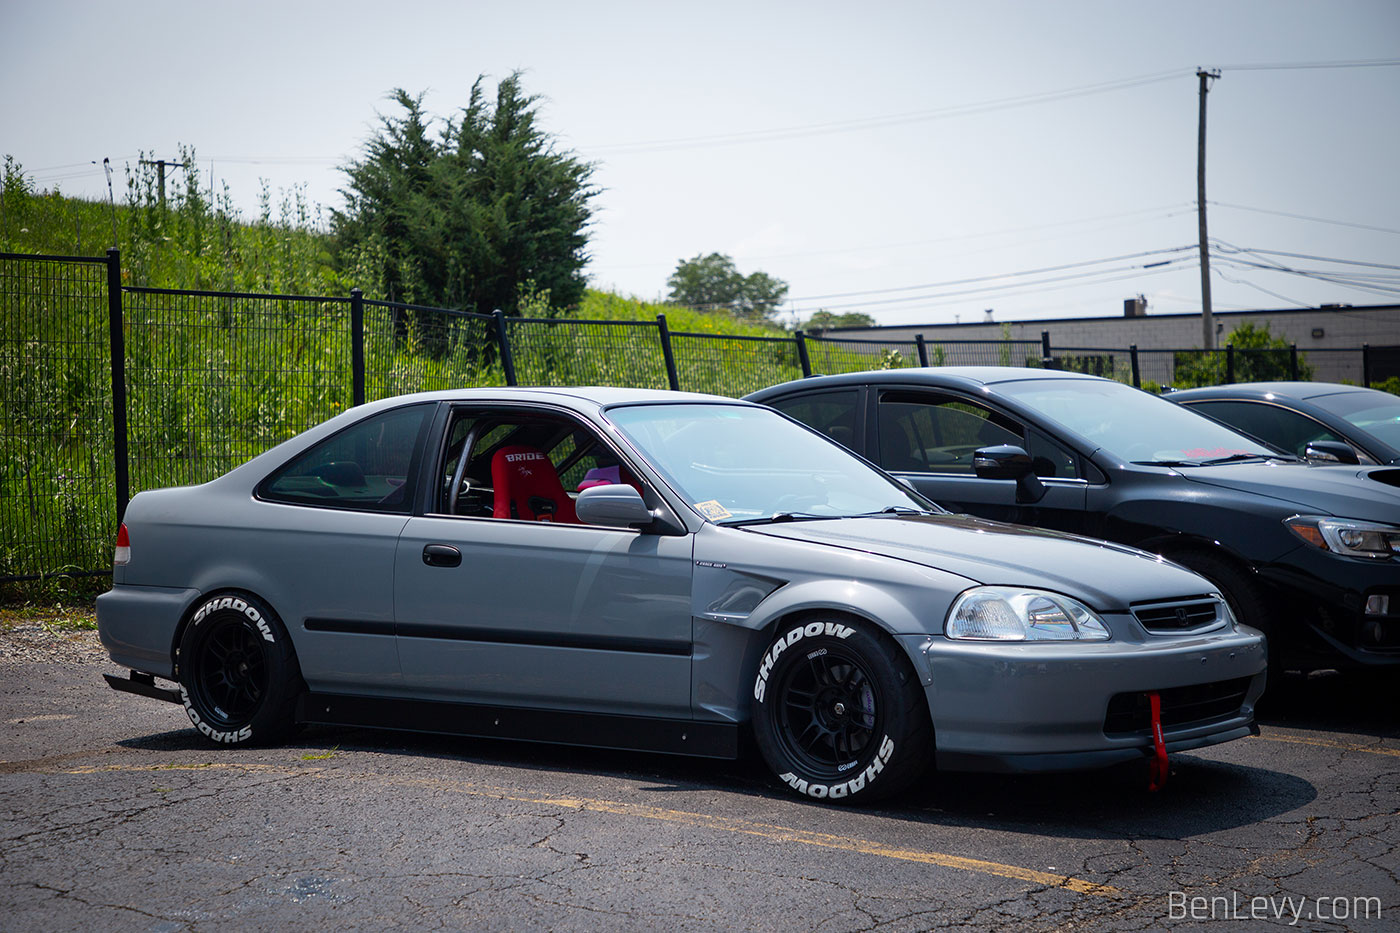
614	505
1330	452
1008	462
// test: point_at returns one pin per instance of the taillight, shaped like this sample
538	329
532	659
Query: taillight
121	555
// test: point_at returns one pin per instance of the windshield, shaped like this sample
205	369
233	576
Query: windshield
735	463
1132	424
1377	413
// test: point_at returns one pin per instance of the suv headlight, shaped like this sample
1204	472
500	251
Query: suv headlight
1349	536
1005	613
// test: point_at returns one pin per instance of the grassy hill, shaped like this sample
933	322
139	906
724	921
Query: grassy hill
213	381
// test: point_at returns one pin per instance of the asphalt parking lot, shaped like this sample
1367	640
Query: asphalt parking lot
116	816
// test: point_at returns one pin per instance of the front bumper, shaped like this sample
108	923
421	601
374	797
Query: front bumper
1330	614
1046	706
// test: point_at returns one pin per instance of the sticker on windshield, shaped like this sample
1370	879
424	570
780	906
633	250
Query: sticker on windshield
713	510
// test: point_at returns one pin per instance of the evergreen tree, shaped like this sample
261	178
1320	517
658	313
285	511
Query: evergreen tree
474	219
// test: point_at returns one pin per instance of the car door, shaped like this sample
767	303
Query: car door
928	437
539	613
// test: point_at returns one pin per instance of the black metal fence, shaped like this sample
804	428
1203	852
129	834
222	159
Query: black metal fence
56	432
110	389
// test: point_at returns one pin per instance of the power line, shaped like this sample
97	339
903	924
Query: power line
1323	220
1003	275
1300	66
897	119
1014	288
1261	288
1275	252
1331	278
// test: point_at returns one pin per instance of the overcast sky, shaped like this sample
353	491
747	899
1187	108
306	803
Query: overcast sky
890	158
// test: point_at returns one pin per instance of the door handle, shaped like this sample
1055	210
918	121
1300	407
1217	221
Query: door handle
441	555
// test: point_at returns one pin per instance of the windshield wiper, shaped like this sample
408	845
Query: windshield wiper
893	510
776	518
1216	461
1240	458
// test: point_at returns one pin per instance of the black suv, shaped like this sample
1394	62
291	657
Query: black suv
1309	554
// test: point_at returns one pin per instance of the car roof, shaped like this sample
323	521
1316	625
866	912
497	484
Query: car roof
1301	391
571	396
964	376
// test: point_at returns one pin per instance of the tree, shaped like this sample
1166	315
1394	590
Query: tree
1259	357
467	219
825	320
713	282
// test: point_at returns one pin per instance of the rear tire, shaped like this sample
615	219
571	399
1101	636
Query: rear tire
838	713
238	674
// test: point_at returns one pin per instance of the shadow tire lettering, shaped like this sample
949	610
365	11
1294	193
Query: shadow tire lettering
838	712
237	671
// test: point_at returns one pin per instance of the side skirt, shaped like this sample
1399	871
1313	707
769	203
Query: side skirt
591	730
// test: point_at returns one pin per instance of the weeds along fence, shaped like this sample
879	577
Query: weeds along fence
107	389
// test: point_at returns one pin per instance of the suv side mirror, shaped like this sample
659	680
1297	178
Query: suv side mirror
616	505
1009	462
1330	452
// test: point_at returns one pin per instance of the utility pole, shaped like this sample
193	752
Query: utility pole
1207	324
160	165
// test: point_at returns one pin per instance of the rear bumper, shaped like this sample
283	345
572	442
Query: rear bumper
137	625
1043	707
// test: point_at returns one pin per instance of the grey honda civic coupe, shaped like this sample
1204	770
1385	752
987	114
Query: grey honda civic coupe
635	569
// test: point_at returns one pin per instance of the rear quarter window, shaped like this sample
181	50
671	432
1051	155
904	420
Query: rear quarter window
369	466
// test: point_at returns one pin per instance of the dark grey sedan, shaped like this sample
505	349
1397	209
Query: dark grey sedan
1294	416
661	571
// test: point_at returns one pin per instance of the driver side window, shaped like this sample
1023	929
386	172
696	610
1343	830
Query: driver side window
522	465
921	432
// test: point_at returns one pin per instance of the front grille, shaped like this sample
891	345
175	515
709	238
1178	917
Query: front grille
1181	706
1192	613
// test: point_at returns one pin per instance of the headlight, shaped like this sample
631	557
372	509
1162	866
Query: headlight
1005	613
1348	536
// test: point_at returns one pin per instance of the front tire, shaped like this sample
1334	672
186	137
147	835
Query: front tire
238	674
838	713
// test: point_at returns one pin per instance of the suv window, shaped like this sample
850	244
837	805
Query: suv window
935	433
832	413
1281	427
368	466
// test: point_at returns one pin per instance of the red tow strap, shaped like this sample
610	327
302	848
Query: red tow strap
1157	767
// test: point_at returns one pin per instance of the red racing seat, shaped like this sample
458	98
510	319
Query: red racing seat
528	487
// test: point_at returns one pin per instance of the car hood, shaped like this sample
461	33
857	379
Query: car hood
1102	574
1343	491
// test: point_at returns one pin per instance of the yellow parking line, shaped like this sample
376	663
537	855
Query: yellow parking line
1326	743
699	820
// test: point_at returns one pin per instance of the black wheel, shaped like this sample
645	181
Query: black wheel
838	713
238	674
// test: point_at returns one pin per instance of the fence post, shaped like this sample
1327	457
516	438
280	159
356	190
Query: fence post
923	349
507	361
357	346
802	353
672	376
116	337
1366	365
1046	359
1137	380
1229	363
1293	362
